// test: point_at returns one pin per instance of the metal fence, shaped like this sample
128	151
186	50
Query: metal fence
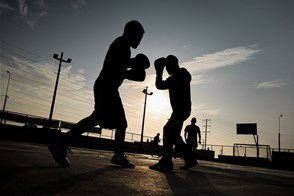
240	150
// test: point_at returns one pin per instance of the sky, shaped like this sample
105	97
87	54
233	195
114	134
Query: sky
239	53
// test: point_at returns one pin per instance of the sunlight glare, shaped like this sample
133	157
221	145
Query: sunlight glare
159	103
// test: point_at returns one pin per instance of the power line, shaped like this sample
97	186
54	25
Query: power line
44	71
42	78
36	55
27	51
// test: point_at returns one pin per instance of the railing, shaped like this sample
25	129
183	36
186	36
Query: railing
40	122
282	150
219	149
130	137
245	150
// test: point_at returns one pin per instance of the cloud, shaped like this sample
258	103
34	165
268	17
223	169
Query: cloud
198	65
24	13
23	7
76	4
199	79
32	85
30	12
5	7
203	110
40	3
279	83
227	57
186	46
42	14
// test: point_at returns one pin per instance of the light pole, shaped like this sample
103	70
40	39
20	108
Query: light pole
279	135
6	96
56	85
145	91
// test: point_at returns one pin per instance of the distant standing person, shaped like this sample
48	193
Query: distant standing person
156	148
108	111
178	85
191	133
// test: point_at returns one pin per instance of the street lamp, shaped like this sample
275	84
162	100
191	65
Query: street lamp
6	96
279	136
56	84
145	91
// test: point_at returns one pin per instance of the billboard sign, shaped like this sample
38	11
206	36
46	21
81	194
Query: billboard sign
247	128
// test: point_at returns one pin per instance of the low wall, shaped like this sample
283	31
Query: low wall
46	136
252	161
283	160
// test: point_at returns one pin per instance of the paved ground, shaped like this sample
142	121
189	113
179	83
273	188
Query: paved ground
27	169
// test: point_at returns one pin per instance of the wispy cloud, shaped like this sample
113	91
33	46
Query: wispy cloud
31	14
279	83
24	13
5	7
32	85
186	46
197	66
28	11
202	109
76	4
227	57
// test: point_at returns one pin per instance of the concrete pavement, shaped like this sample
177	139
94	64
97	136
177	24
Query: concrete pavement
28	169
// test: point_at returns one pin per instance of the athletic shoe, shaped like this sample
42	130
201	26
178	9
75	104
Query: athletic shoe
59	152
163	166
122	161
190	163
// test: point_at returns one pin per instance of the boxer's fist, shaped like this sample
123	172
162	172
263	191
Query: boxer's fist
141	61
136	74
159	64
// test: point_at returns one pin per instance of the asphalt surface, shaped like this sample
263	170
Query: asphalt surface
28	169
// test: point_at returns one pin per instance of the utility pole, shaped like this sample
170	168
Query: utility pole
56	85
279	135
6	96
205	132
145	91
